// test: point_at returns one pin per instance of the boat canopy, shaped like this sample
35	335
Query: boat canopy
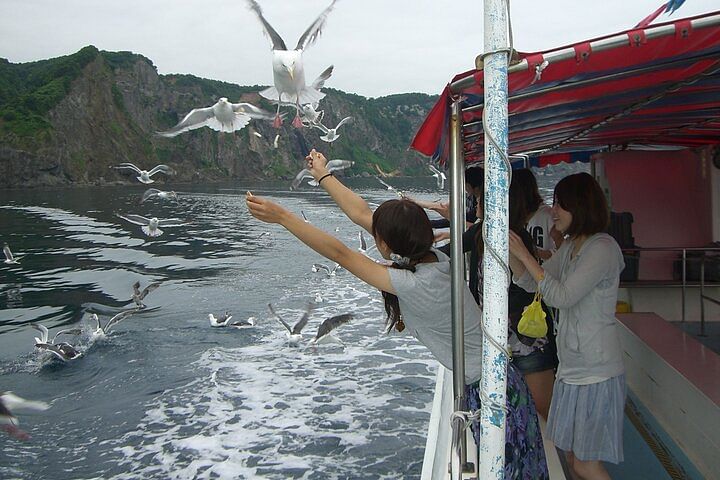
657	86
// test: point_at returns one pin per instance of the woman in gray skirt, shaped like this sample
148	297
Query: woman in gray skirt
581	280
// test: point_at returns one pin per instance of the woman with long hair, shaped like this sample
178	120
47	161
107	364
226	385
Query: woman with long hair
581	280
416	288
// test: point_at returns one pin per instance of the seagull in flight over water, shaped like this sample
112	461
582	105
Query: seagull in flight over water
9	259
294	333
144	174
390	187
332	166
138	296
439	176
331	133
154	192
330	271
9	402
328	325
223	117
151	226
101	331
288	71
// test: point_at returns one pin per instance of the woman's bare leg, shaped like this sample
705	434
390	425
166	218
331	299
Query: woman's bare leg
541	388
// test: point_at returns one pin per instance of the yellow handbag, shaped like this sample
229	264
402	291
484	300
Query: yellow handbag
532	322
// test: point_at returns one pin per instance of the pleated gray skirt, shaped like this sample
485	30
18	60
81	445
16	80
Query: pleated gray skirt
588	419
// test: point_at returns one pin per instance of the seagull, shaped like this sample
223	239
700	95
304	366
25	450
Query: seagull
304	217
288	71
222	117
275	142
311	115
63	350
138	296
294	333
321	266
102	331
9	259
331	133
151	226
154	192
389	187
439	176
144	174
9	422
363	248
223	321
258	134
327	326
318	298
332	166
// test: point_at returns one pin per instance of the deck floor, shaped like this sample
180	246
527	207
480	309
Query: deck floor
711	339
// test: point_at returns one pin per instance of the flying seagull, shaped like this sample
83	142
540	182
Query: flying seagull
311	115
332	166
144	174
304	217
138	296
330	271
331	133
151	226
101	331
288	71
9	259
390	187
63	350
294	333
155	193
363	248
9	402
327	326
222	117
439	176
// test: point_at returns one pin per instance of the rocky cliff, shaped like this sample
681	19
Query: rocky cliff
68	120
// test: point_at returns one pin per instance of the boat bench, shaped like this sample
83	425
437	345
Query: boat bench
677	379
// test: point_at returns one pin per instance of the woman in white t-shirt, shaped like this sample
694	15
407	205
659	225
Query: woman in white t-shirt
540	223
416	289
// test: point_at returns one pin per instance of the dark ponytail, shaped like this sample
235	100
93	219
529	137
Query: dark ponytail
405	228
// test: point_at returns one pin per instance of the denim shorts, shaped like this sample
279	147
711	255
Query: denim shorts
537	361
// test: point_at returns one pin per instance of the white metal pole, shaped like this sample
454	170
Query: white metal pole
495	282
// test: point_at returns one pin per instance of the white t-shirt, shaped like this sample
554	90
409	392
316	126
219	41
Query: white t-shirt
425	299
539	228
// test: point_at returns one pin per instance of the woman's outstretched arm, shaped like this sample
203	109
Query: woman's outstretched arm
349	202
325	244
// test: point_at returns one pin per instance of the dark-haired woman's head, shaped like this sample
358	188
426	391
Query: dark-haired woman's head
525	182
403	233
579	206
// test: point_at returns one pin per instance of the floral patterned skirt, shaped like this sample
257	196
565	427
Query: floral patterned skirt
524	452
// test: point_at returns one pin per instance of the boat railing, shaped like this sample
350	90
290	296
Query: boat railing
701	254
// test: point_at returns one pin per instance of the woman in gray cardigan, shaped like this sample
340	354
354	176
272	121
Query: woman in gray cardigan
581	280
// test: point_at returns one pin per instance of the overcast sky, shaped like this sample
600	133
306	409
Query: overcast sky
378	47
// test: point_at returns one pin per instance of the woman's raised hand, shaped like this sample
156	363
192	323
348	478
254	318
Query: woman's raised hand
316	163
265	210
517	247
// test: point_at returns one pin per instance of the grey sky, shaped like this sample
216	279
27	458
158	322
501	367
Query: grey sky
378	47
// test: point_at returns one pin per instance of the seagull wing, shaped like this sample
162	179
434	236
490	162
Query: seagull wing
13	402
126	166
161	168
55	350
277	41
330	324
118	318
304	173
319	125
252	111
297	329
43	331
136	219
197	118
149	193
335	268
8	253
285	324
321	266
67	331
172	222
149	289
433	169
343	121
136	288
363	244
314	30
319	82
334	165
386	185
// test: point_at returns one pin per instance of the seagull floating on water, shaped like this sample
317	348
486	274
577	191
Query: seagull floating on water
138	296
331	133
155	193
294	333
102	331
439	176
9	259
63	350
288	71
144	174
9	402
151	226
223	117
316	267
332	166
224	321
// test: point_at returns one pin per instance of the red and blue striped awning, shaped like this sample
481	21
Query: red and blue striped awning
653	86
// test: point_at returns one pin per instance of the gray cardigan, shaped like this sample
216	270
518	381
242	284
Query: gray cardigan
584	290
